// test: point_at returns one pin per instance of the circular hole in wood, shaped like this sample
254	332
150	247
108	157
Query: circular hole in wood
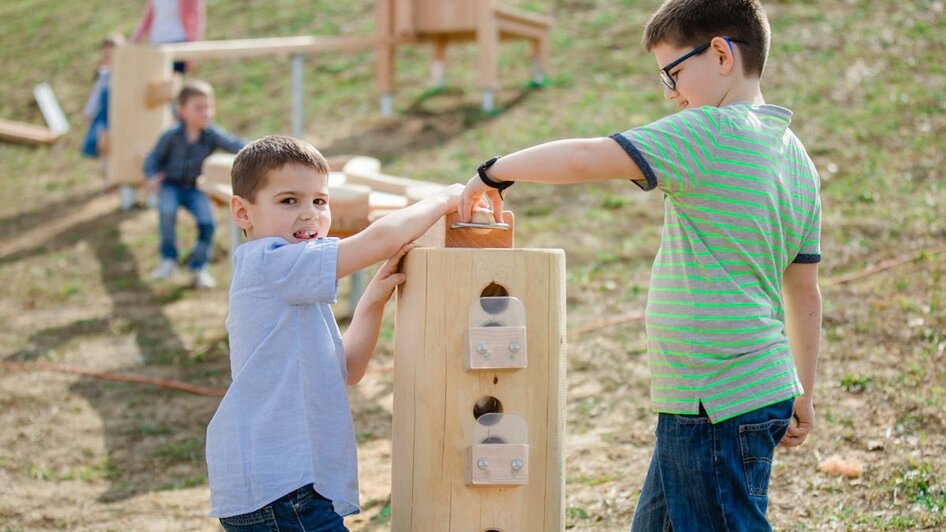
494	306
487	405
492	530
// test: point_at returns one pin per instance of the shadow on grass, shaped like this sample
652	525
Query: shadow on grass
19	222
433	118
153	436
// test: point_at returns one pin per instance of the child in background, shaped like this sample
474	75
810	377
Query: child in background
733	313
171	21
172	168
95	111
281	451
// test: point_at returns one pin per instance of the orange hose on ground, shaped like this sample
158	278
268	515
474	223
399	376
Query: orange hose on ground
137	379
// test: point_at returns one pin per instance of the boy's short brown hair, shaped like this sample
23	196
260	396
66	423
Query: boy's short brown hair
192	88
692	23
254	162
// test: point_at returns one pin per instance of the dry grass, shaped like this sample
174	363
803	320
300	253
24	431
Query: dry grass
865	80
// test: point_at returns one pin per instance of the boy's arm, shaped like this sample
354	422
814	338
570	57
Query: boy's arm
557	162
362	335
384	238
157	158
226	141
803	323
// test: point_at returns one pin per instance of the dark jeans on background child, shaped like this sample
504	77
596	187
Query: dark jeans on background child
303	510
711	477
170	198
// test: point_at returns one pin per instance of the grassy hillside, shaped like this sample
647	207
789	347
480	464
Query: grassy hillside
865	80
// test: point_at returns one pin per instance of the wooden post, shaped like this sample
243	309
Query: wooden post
487	40
134	127
384	62
435	395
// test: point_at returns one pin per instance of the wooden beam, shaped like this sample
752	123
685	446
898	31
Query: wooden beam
523	17
25	133
237	48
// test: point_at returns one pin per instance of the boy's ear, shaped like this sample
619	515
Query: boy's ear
241	212
725	55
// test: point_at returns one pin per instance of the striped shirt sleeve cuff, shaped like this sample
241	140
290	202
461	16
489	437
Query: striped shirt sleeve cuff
638	158
807	258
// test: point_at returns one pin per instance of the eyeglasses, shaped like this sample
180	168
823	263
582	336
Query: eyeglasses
668	80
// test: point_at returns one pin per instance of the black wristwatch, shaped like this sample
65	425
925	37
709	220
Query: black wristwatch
498	185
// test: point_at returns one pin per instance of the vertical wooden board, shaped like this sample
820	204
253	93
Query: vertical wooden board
502	508
384	58
555	481
431	503
444	393
403	16
133	127
460	14
537	327
461	394
487	41
410	320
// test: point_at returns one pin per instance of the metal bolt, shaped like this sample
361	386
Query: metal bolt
516	464
482	464
482	348
515	347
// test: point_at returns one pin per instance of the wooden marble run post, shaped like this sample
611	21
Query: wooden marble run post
479	385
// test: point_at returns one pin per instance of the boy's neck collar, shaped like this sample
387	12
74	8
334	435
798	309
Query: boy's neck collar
189	130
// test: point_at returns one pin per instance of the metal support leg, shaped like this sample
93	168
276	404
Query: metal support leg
127	195
387	104
488	104
298	119
538	77
437	73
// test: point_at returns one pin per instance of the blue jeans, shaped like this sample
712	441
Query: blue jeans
711	477
170	199
303	510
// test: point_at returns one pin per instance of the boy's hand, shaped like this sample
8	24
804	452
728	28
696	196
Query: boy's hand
153	185
382	285
475	195
801	424
452	193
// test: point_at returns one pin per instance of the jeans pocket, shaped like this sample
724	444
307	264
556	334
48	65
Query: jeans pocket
757	442
317	514
252	518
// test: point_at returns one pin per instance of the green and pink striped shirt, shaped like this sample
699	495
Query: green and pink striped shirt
741	204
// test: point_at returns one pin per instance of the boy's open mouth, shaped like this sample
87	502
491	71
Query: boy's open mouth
306	235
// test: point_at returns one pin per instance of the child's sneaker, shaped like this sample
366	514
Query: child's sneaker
203	279
164	270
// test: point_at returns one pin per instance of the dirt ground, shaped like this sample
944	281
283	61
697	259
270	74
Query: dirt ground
85	454
865	80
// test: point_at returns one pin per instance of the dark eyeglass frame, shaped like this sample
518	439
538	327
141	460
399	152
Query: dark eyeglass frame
668	80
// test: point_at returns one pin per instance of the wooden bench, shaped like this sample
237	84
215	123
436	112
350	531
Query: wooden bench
444	22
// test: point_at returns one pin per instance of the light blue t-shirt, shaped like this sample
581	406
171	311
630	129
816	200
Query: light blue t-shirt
285	421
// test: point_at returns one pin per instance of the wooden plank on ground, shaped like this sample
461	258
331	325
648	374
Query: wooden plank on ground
26	133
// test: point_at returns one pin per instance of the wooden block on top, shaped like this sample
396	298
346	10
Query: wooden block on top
443	234
217	167
161	92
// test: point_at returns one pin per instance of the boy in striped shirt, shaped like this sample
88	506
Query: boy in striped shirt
734	310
